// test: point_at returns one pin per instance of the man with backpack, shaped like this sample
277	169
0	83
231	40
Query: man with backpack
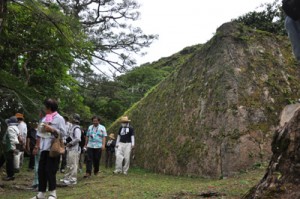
292	24
10	140
19	157
73	151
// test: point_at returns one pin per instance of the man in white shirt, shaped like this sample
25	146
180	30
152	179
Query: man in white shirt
19	157
10	140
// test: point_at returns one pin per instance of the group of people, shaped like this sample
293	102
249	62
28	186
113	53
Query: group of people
79	145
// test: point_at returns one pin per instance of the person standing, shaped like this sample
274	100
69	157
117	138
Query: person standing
94	143
2	157
82	151
37	152
30	143
292	24
53	126
125	143
73	151
110	150
19	157
10	140
64	156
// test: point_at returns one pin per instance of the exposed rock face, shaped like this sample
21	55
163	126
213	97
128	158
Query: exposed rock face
282	178
215	115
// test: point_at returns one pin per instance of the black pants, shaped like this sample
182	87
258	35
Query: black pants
2	160
63	161
93	159
47	171
31	160
10	164
109	159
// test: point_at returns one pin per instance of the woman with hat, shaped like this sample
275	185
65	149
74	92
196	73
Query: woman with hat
110	150
125	143
10	139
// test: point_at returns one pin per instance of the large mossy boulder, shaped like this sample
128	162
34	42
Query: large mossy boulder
215	116
282	178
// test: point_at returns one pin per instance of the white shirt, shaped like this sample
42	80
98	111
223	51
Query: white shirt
59	125
75	134
23	131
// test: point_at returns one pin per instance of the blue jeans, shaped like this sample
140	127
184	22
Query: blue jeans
36	168
293	30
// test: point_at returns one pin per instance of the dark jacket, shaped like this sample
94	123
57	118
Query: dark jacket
110	145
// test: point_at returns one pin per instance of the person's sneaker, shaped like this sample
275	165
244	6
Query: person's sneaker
68	182
117	172
125	173
35	186
40	195
8	178
87	175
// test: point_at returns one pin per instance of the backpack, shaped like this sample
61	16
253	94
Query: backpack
69	139
291	8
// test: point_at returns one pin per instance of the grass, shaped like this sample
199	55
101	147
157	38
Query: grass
139	184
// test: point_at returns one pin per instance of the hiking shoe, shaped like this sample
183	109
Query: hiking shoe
87	175
40	195
68	182
35	186
117	172
8	178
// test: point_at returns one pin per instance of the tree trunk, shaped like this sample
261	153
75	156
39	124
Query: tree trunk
282	178
3	11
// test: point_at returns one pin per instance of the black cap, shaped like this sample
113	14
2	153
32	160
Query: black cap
76	118
12	120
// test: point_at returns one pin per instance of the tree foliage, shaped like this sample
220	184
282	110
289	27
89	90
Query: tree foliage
37	47
111	98
106	24
269	18
43	43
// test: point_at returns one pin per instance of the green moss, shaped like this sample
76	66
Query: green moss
175	107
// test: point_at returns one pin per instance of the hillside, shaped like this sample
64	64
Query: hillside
140	80
214	116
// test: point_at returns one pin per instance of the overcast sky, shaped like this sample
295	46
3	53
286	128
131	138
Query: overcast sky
186	22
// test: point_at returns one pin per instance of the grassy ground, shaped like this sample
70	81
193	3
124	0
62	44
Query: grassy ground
139	184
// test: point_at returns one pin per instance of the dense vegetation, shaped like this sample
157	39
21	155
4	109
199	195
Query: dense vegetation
49	49
269	17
